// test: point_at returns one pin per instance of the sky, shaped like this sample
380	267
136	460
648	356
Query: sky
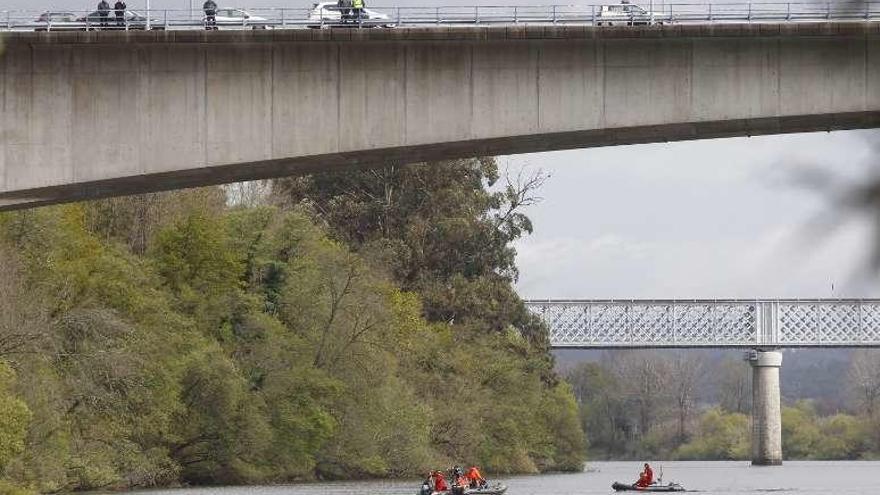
722	218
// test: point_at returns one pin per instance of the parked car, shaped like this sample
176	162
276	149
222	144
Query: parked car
58	21
625	14
329	13
133	20
239	18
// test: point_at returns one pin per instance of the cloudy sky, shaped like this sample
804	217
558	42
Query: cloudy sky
700	219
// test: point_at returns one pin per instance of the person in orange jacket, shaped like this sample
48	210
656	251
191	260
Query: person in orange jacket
475	477
646	477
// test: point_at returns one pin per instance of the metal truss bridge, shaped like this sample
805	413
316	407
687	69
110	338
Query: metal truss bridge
732	323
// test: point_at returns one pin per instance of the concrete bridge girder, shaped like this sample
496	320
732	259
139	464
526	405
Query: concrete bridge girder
106	113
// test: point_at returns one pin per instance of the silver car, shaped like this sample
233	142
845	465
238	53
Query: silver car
625	14
330	13
239	18
58	21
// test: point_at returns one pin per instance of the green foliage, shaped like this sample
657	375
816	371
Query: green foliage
805	435
722	436
444	231
801	436
14	418
171	339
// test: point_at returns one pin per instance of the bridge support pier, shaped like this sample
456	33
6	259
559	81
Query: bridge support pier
766	411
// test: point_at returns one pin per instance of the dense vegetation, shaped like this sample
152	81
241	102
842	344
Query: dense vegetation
351	325
655	405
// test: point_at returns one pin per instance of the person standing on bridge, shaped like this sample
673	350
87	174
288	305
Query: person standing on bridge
344	9
210	8
103	13
119	9
357	9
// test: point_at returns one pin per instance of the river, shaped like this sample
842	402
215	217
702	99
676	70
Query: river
795	477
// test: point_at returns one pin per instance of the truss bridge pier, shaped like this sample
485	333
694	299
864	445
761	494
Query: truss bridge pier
761	326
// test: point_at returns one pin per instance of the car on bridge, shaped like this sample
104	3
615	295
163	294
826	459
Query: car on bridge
232	18
625	14
330	14
58	21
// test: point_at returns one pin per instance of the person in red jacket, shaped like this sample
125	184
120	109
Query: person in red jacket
439	482
475	478
646	477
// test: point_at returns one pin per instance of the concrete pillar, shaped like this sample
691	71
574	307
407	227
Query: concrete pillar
766	412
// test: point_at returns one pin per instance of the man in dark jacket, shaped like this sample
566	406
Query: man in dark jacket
119	8
103	13
210	8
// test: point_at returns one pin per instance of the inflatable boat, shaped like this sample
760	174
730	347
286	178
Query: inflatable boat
487	490
669	487
497	489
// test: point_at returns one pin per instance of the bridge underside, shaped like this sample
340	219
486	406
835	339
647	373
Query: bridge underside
268	169
86	115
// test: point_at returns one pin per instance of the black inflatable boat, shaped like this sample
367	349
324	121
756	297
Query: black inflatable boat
669	487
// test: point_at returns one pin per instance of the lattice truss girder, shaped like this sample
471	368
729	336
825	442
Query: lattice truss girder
711	323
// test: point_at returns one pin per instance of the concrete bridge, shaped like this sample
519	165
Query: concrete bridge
764	326
93	114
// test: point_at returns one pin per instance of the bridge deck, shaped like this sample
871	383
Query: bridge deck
192	108
731	323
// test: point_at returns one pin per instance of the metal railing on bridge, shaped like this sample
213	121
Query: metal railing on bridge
330	15
710	323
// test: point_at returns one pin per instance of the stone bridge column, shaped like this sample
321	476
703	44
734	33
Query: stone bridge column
766	412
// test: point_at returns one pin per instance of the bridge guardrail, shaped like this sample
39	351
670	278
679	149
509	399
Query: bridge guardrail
476	15
711	323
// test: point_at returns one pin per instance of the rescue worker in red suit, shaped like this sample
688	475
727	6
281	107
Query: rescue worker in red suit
475	478
646	477
439	482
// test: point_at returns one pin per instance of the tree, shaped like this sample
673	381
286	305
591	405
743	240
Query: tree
734	385
23	323
864	378
438	228
723	436
14	418
134	220
217	343
642	376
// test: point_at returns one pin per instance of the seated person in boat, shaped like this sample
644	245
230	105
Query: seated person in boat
475	478
439	482
459	480
427	485
646	477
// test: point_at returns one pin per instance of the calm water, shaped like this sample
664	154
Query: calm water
827	478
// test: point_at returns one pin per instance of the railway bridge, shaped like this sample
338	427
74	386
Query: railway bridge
763	327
